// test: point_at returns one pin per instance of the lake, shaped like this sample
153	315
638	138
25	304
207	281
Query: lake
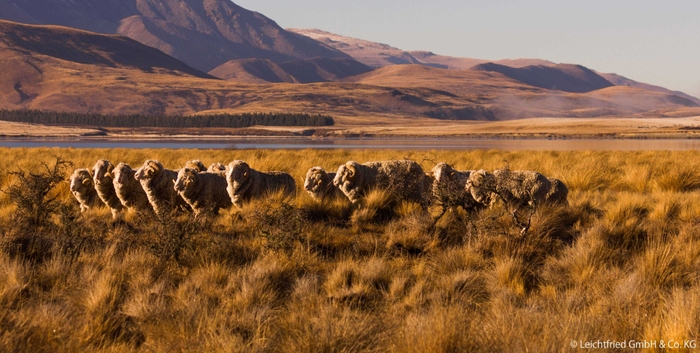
370	143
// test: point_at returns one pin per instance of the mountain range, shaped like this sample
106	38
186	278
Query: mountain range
202	56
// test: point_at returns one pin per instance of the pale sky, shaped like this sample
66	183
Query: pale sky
656	42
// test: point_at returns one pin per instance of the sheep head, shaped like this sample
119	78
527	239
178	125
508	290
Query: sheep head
121	172
186	177
347	173
195	164
316	179
442	171
217	168
80	180
481	184
238	172
150	169
102	170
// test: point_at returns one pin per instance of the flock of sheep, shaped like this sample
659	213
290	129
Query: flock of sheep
206	190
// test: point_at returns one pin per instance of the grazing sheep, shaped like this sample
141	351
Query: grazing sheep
195	164
558	193
245	183
218	168
82	187
159	185
204	192
403	180
448	188
516	188
128	189
319	184
102	176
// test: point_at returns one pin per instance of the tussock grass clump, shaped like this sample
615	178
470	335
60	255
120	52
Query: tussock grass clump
289	274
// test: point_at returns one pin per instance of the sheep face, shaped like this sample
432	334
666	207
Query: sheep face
80	181
102	172
481	184
346	175
316	180
217	168
237	174
186	177
121	172
195	164
150	169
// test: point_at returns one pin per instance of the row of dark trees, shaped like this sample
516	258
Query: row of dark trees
177	121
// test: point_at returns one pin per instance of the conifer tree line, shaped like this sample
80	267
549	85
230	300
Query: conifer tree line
143	120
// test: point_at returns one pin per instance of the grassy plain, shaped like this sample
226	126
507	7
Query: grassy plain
620	263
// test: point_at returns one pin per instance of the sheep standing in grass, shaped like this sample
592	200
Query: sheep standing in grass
402	180
128	189
83	188
159	185
319	184
102	176
448	188
515	187
204	192
196	164
245	183
218	168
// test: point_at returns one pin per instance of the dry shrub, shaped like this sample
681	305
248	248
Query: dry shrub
360	285
679	179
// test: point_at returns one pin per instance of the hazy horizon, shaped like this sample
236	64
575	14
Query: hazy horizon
645	41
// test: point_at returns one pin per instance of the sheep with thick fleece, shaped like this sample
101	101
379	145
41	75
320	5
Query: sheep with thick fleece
402	180
83	189
159	185
104	185
245	183
515	187
448	188
128	189
204	192
319	184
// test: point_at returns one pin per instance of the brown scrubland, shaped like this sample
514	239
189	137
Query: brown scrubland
621	262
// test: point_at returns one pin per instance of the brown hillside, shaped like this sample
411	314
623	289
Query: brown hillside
298	71
561	77
202	33
251	71
85	47
62	75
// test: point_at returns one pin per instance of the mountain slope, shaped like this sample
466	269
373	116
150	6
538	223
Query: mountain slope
298	71
202	33
562	77
68	44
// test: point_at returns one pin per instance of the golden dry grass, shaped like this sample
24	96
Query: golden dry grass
620	263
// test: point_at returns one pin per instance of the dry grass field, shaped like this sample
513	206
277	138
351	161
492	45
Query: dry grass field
621	262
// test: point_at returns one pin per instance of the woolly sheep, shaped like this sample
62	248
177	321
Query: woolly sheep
516	188
83	188
102	176
403	180
245	183
319	184
448	188
128	189
158	183
204	192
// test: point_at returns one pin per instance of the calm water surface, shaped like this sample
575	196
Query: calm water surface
371	143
